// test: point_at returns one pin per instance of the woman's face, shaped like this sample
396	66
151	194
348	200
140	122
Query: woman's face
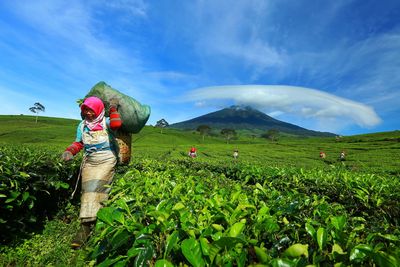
88	114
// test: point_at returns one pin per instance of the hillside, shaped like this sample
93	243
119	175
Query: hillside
48	131
60	132
347	205
246	118
375	152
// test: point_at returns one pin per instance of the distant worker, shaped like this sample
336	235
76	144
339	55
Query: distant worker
235	154
342	156
192	152
322	155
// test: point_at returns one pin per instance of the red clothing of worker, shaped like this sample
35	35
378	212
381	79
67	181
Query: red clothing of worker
193	152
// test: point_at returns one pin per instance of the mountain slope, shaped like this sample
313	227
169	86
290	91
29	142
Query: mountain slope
245	118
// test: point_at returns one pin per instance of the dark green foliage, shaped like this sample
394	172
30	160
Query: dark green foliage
33	183
203	130
228	134
161	124
37	107
278	205
271	134
194	213
50	247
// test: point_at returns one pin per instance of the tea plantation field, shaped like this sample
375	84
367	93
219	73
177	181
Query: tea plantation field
278	204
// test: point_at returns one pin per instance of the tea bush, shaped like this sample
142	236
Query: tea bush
33	184
188	213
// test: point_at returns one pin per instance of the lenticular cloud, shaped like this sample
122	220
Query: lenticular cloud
301	101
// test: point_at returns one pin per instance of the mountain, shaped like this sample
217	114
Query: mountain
245	118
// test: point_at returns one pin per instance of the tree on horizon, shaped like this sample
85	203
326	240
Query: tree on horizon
228	133
37	107
271	134
203	130
162	124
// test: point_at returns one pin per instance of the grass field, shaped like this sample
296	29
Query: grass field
371	152
279	204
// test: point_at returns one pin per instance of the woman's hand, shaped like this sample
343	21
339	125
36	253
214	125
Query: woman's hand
67	155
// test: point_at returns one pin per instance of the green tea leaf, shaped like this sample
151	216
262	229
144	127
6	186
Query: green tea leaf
13	196
25	196
322	237
213	251
122	204
311	231
121	263
364	248
120	238
178	206
172	240
236	229
261	254
205	246
118	216
384	259
24	174
338	222
133	252
105	215
109	262
192	251
296	250
260	187
357	253
389	237
283	263
163	263
145	254
337	249
217	227
228	242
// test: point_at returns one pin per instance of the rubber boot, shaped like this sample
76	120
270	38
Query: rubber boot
82	235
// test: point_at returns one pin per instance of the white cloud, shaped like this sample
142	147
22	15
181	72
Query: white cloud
300	101
154	50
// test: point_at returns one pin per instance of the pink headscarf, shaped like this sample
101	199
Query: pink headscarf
95	104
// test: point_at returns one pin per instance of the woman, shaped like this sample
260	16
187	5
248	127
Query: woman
95	136
235	154
192	152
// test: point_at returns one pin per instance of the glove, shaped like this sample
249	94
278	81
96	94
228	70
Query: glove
67	155
114	102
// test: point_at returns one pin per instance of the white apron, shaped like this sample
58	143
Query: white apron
97	172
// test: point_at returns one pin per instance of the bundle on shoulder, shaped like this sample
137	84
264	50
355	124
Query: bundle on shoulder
133	114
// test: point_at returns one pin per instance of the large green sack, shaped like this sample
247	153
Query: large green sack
133	114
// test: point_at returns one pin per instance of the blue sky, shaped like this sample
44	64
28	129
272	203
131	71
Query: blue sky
323	65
